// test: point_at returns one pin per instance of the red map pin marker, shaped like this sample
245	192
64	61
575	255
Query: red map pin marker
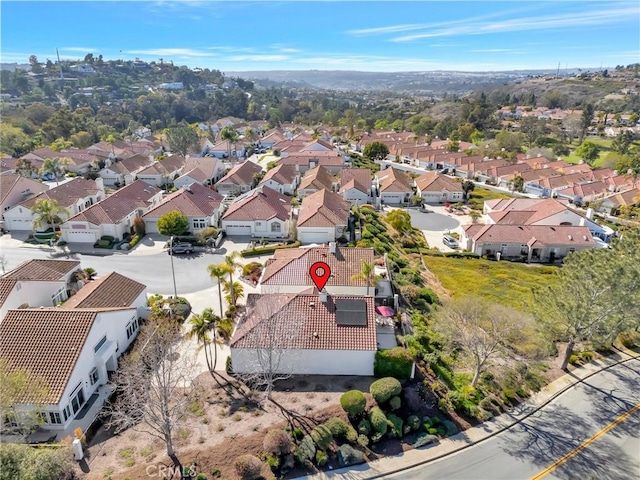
320	273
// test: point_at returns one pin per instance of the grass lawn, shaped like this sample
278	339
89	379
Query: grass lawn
483	194
605	149
503	282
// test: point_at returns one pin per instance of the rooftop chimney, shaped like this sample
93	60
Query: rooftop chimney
332	247
324	296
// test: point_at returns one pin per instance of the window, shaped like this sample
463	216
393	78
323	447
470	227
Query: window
59	296
199	223
258	224
77	398
42	416
99	344
54	418
132	327
94	376
276	227
66	412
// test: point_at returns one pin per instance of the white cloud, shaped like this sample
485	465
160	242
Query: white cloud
79	49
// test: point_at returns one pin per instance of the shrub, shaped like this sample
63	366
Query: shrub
395	363
322	436
364	427
363	440
395	403
385	388
277	442
414	422
586	356
306	451
250	267
574	359
341	429
267	250
378	420
248	467
208	233
273	462
321	458
424	439
396	424
134	240
629	339
353	402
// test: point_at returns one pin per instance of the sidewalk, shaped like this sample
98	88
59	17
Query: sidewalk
386	466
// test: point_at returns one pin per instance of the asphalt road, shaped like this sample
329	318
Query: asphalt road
153	270
529	448
431	221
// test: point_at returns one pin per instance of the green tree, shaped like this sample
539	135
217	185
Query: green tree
588	151
467	187
231	263
183	140
622	142
173	223
205	329
13	141
586	118
25	168
399	219
27	463
596	297
234	291
368	274
375	151
230	135
517	184
55	166
48	213
219	271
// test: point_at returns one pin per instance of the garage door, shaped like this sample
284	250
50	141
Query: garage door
238	229
313	237
80	236
19	224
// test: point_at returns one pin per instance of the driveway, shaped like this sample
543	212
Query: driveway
435	222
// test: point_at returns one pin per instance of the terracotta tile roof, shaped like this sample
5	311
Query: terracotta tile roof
511	217
196	174
317	178
41	269
628	197
66	194
323	209
57	335
358	178
119	204
111	291
303	322
133	164
544	234
241	174
164	167
6	287
321	158
7	183
206	165
193	201
43	153
293	268
322	143
433	182
262	203
393	180
281	174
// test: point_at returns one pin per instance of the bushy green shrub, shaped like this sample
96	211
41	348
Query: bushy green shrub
629	339
395	363
250	267
396	424
321	458
364	427
353	402
306	451
424	439
385	388
267	250
395	403
378	420
277	442
208	233
363	440
107	238
341	429
414	422
273	462
248	467
134	240
322	436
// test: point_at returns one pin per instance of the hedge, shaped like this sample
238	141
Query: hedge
322	437
395	363
267	250
135	240
385	388
378	421
341	429
353	402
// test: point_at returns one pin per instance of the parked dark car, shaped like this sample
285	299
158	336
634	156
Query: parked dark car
182	247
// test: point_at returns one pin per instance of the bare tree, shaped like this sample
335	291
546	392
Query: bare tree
154	386
478	329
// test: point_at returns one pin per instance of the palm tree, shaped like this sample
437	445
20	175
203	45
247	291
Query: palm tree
234	291
231	136
231	263
54	166
48	212
201	327
218	271
367	273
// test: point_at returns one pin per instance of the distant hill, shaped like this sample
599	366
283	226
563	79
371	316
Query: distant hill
429	83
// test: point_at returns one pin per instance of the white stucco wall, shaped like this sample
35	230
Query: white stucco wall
310	362
35	294
316	234
355	196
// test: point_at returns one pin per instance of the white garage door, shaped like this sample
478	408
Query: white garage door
237	229
80	236
313	237
19	224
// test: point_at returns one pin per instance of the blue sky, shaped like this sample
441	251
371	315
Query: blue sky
330	35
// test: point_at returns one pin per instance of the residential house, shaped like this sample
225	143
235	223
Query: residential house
393	186
272	137
78	347
203	171
260	213
240	179
333	161
79	160
227	148
15	189
36	283
112	216
356	186
74	195
436	188
282	178
323	218
533	243
124	172
163	172
628	198
316	179
318	334
201	205
586	192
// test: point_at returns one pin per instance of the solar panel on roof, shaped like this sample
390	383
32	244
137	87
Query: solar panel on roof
351	312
